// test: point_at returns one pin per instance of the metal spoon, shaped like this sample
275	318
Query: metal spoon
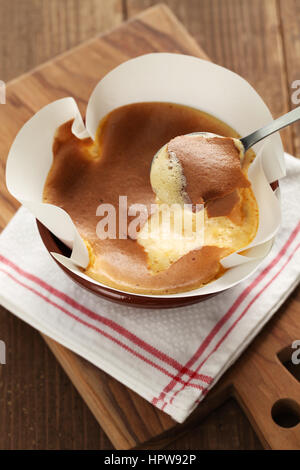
257	136
260	134
157	178
269	129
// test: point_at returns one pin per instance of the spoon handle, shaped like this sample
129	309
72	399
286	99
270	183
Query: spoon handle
269	129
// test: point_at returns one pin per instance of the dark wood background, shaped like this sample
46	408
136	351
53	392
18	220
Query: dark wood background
259	39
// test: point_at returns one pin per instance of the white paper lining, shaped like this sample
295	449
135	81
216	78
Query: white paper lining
153	77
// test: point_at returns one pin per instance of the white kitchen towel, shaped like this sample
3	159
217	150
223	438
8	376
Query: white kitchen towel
170	357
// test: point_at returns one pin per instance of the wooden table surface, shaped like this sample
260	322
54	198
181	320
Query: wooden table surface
259	39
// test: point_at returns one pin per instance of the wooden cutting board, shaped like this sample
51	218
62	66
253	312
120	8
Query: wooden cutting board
262	377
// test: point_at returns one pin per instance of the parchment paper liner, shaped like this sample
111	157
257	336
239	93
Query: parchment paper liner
153	77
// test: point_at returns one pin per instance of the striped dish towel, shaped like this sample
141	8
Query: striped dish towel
170	357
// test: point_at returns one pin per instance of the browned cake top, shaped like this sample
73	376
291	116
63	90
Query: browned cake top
85	174
211	166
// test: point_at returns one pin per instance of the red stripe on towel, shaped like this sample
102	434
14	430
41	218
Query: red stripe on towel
237	320
168	388
95	328
107	322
